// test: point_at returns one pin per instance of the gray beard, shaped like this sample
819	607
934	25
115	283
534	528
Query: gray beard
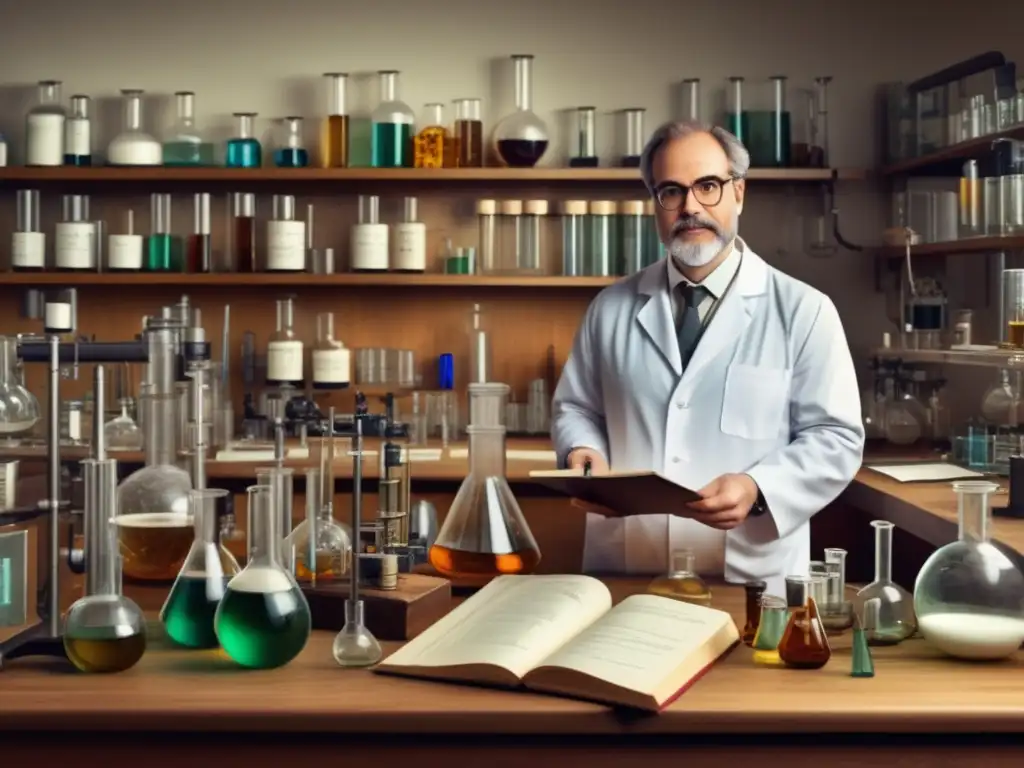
696	254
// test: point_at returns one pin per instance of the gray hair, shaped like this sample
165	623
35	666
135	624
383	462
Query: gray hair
737	154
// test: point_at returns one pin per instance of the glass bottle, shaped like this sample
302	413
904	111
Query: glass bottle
574	216
163	249
329	548
291	152
485	533
770	627
332	360
334	135
28	241
969	596
804	644
44	127
74	236
285	348
103	631
586	139
244	150
242	232
754	591
469	134
682	581
896	620
263	621
521	139
191	605
432	139
368	251
410	240
635	137
19	408
184	145
392	126
133	146
78	133
286	237
125	249
199	258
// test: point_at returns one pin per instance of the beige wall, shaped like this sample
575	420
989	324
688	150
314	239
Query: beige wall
266	56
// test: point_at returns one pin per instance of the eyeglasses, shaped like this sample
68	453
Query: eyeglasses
707	191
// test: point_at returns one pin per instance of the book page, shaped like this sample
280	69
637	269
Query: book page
514	622
640	642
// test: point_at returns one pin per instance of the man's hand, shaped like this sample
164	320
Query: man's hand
725	502
579	456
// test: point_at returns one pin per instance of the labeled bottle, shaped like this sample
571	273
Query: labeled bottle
334	136
586	139
199	258
78	133
74	237
242	231
804	644
244	150
753	591
28	242
133	146
332	361
521	138
44	127
263	620
410	242
369	238
682	582
286	237
291	151
392	126
284	348
125	249
432	139
184	145
163	252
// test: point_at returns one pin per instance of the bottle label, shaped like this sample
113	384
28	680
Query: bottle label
44	141
74	245
370	246
28	250
410	247
331	366
286	246
57	317
284	361
124	252
77	137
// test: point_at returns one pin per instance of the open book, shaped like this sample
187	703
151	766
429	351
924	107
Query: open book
560	634
621	493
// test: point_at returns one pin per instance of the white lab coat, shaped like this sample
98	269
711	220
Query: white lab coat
770	391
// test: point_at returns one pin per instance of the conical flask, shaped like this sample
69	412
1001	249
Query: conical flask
191	606
484	532
263	620
804	644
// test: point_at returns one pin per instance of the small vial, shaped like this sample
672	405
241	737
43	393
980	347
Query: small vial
369	238
28	242
486	211
125	249
78	133
599	244
334	137
244	150
574	214
631	227
75	235
286	237
586	139
162	251
410	246
635	137
533	235
242	231
469	134
200	248
292	151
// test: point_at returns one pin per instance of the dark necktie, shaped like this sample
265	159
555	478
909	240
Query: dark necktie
690	326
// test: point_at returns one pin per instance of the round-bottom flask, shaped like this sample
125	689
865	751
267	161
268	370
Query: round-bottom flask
521	138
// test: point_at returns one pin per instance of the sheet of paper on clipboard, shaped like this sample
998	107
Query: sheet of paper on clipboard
622	493
925	472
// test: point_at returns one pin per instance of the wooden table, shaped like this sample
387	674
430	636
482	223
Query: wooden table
198	709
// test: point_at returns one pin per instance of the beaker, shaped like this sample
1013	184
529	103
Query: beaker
185	145
103	631
191	605
635	136
574	216
163	250
44	127
691	99
770	628
521	138
242	232
321	546
334	137
133	146
19	408
392	121
263	621
484	532
585	155
78	133
766	128
243	149
469	134
432	140
281	481
291	148
895	622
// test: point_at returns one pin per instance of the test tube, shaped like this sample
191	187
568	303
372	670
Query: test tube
734	108
531	254
586	139
281	482
691	99
314	503
486	211
28	242
160	256
510	230
1012	330
200	255
574	214
631	221
599	249
970	200
780	123
242	231
835	562
635	137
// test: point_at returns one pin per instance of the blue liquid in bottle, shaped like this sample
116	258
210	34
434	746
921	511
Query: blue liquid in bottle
392	145
244	151
291	158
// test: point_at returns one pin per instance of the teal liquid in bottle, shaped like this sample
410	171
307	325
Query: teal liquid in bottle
392	145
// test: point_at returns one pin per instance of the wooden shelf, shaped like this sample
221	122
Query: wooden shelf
953	247
979	358
366	280
67	174
964	150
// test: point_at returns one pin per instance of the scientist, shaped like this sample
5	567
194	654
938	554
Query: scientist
717	370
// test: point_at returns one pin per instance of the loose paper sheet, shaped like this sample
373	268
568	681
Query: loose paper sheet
923	473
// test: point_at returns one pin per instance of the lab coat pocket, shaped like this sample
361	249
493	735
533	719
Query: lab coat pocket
755	402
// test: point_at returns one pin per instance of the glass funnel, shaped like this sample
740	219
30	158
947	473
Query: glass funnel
484	532
263	622
521	138
191	605
19	409
392	121
103	631
895	621
324	554
133	146
969	596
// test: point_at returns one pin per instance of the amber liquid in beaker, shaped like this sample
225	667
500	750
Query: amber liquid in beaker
804	644
458	562
334	142
469	140
97	655
244	245
1015	333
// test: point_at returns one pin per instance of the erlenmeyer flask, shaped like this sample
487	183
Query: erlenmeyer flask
189	612
19	409
804	644
263	620
103	631
485	533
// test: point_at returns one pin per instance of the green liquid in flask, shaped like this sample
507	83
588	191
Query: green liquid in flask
263	621
189	612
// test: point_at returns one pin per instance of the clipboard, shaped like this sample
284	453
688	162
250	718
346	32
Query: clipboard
623	494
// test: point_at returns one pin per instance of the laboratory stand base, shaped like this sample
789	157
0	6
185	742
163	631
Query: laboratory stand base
33	642
398	614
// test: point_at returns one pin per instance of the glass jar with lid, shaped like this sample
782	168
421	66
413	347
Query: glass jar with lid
133	146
